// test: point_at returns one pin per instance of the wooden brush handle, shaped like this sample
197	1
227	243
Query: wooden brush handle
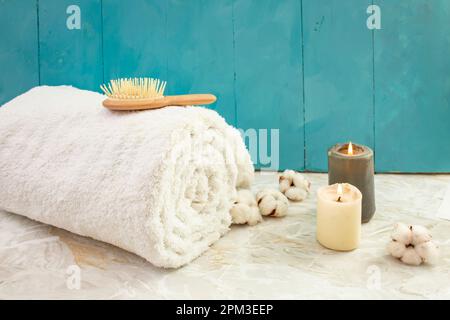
143	104
190	99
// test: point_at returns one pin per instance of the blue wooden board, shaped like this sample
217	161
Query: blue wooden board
308	70
268	59
135	38
412	72
72	57
199	61
19	65
338	77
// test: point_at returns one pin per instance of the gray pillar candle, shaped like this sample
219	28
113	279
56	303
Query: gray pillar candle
352	163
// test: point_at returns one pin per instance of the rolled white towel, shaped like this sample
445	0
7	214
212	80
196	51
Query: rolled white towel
159	183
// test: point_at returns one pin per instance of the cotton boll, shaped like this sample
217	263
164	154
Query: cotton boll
245	209
296	194
402	233
420	234
271	207
396	249
428	251
301	182
239	213
289	174
244	214
412	245
411	257
253	216
286	180
285	184
294	186
272	203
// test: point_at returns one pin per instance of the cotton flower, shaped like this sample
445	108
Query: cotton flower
428	251
396	249
245	209
272	203
412	245
411	257
402	233
294	185
419	235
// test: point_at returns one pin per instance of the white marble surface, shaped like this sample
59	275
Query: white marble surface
277	259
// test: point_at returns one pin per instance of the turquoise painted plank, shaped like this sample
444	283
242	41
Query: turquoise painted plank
135	38
412	73
200	51
269	92
71	57
338	59
19	63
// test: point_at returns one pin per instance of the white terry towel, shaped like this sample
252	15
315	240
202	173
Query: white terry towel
159	183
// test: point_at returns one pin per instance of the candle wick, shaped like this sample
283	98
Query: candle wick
339	199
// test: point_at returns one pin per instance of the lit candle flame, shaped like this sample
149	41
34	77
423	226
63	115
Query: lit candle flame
350	149
339	191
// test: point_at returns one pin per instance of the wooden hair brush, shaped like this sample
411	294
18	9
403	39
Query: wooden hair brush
146	93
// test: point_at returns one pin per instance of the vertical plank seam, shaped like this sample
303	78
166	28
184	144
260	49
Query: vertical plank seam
373	92
38	42
166	34
234	65
303	86
102	40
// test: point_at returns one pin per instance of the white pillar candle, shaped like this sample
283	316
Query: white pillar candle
339	216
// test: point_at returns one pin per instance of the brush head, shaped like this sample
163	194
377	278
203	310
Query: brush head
134	88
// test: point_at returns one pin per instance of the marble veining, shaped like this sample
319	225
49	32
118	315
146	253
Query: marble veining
277	259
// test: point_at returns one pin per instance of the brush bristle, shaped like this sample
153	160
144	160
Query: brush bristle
134	88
